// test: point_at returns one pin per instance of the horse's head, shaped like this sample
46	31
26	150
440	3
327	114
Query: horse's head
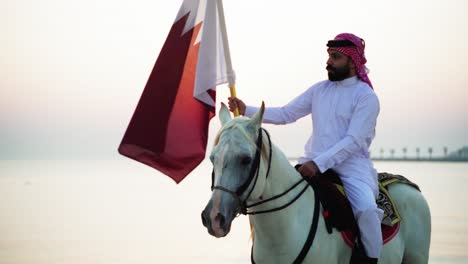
236	158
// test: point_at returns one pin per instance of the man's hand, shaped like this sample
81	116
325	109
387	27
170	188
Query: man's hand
308	169
236	103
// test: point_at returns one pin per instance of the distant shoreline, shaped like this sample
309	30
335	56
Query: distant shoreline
410	159
421	159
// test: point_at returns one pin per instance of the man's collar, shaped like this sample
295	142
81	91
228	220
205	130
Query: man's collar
349	81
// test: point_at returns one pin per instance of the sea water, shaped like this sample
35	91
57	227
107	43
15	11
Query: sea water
120	211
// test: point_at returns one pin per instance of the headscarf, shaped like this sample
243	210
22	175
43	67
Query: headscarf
353	47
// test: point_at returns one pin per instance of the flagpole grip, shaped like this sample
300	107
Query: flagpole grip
232	88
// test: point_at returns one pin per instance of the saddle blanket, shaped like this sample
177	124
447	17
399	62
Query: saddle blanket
385	202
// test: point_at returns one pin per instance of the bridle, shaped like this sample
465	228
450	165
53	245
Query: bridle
253	176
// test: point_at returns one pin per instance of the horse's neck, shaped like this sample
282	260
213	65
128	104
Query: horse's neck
282	175
278	226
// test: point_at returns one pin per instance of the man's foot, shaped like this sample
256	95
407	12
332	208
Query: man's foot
363	260
359	256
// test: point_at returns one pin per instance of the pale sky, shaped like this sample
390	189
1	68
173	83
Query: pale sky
71	72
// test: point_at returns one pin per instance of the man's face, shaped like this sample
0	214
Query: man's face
339	66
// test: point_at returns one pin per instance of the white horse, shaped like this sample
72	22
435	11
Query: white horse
283	225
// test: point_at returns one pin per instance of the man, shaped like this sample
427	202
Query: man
344	112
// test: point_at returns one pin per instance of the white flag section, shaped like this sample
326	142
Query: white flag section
211	67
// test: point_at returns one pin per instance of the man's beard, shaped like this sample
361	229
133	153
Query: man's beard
338	74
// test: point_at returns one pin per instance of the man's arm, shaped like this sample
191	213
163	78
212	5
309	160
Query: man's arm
297	108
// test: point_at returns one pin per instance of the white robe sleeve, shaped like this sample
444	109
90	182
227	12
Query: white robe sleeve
359	134
297	108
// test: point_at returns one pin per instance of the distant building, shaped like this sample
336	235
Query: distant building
461	154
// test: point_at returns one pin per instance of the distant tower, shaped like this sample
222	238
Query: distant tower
430	152
445	151
381	153
417	152
392	153
404	152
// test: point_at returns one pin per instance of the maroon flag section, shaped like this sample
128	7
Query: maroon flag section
169	128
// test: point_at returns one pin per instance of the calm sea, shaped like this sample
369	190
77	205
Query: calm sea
119	211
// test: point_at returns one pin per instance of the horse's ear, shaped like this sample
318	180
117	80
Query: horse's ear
224	115
256	120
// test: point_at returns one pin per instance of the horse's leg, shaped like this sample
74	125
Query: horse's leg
393	251
415	223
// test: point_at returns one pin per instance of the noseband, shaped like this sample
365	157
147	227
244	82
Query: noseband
253	175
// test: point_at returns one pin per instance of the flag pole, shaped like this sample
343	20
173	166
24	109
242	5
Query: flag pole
227	53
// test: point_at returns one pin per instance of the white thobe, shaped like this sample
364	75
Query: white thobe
344	116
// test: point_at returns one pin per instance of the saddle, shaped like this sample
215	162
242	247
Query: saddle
337	210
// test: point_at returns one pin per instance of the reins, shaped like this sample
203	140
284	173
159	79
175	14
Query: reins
253	176
276	197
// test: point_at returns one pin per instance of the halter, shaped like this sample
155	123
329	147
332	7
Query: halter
253	175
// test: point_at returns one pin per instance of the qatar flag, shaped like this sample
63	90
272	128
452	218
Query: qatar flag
169	128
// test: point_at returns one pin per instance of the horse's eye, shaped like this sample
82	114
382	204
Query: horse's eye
246	160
